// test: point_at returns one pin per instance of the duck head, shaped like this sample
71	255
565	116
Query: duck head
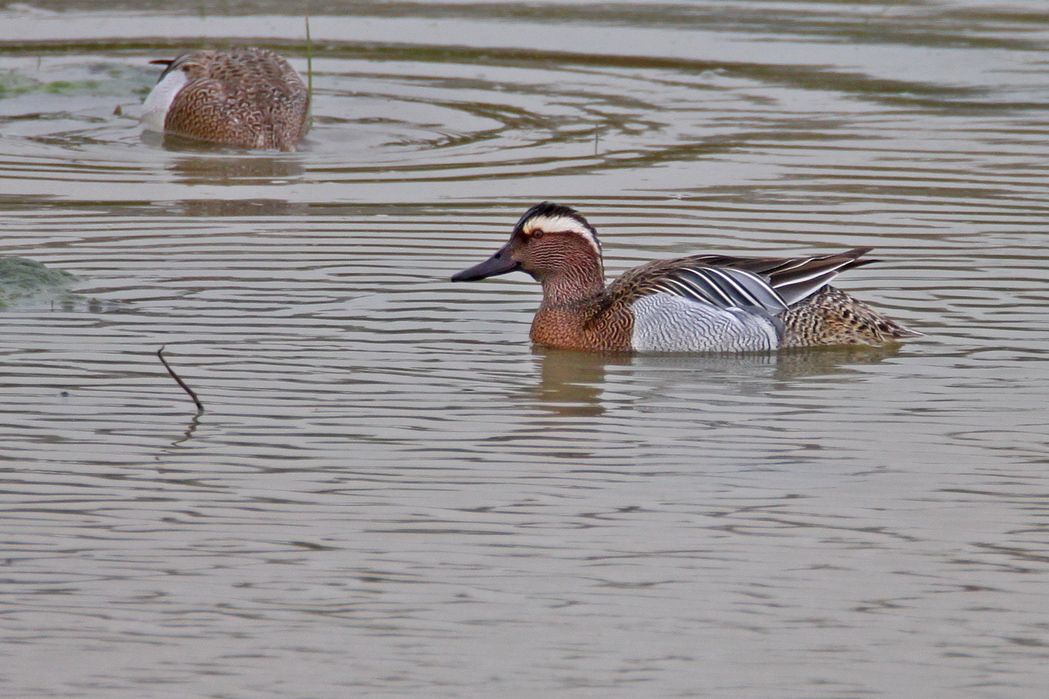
549	242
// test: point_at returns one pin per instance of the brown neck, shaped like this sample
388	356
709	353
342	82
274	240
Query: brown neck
574	314
572	286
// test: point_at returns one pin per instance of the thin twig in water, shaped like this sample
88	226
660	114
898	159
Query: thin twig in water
309	66
178	380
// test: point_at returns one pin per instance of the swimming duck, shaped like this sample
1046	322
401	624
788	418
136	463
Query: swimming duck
241	97
703	303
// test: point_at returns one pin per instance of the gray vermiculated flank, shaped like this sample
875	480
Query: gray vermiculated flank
668	323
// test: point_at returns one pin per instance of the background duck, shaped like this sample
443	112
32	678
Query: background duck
702	303
241	97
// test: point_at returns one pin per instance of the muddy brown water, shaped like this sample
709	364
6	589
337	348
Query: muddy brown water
391	493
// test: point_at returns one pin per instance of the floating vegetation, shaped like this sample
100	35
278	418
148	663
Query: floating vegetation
95	79
22	279
13	84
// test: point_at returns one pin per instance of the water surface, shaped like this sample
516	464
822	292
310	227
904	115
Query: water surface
391	493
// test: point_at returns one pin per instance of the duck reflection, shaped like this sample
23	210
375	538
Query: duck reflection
200	165
822	361
214	208
573	383
777	366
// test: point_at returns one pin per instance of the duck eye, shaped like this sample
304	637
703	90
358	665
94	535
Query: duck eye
537	234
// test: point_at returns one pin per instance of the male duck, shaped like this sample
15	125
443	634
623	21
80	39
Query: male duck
703	303
243	97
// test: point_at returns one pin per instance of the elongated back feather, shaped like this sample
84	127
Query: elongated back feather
723	287
768	283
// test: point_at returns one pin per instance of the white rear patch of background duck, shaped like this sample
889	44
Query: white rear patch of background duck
158	102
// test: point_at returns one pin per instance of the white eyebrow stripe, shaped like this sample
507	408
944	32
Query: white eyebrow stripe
563	224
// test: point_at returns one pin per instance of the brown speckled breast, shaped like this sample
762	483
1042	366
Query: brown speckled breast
590	326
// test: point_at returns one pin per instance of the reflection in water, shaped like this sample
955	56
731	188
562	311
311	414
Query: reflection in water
217	208
825	361
237	169
777	366
253	172
214	164
194	422
572	383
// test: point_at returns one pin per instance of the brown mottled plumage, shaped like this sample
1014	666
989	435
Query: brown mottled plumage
241	97
765	303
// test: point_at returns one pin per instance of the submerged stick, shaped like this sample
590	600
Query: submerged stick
178	380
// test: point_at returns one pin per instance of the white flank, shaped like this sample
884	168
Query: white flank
155	110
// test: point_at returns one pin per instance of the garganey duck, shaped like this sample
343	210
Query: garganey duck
243	97
703	303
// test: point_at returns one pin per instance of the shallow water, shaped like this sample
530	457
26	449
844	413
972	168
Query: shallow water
391	493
